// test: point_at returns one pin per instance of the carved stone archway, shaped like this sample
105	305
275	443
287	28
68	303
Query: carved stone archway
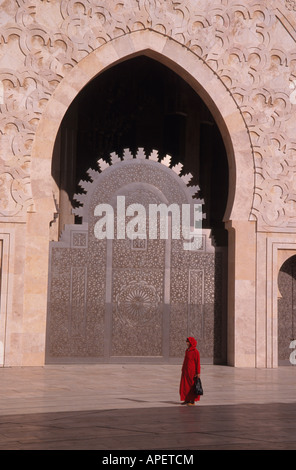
188	66
227	115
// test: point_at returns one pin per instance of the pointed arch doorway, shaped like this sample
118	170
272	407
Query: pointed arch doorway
138	102
241	284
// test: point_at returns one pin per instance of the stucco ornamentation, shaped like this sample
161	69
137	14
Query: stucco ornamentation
251	48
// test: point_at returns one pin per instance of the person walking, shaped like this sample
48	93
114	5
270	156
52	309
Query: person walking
190	371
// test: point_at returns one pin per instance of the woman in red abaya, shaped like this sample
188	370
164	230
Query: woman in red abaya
190	370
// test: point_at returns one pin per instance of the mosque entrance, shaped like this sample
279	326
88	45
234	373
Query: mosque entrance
137	135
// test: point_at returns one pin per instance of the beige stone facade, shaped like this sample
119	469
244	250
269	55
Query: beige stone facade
238	57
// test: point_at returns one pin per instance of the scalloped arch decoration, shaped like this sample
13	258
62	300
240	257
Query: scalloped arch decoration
151	163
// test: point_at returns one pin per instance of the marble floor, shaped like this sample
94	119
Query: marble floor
136	407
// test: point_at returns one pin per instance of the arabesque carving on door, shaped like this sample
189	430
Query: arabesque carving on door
122	299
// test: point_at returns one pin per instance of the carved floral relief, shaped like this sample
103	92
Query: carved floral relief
250	47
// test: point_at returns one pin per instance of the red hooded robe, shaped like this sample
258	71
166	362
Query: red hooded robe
190	368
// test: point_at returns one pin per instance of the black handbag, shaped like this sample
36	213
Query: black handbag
198	390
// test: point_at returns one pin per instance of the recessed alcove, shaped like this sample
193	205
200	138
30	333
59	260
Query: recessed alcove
137	104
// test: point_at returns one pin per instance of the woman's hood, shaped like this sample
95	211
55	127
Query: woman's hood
192	341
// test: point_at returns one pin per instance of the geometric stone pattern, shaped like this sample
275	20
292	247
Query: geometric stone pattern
132	299
250	48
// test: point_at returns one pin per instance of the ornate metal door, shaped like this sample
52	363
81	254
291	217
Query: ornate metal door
132	298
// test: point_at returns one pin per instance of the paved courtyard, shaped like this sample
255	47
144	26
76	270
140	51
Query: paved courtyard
136	407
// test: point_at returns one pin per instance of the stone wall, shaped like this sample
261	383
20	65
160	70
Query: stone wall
241	60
